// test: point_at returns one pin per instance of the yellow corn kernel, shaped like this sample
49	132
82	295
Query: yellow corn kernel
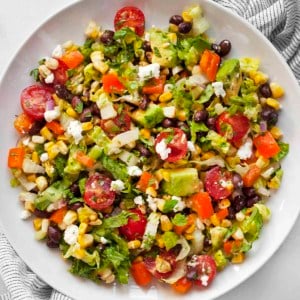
172	38
186	16
53	151
62	137
276	132
37	223
28	205
71	112
48	145
98	222
173	28
226	223
258	77
145	133
262	162
165	223
49	168
165	97
181	115
224	203
233	161
85	240
62	147
277	90
207	155
273	103
151	191
86	126
70	217
161	204
160	242
189	236
191	229
46	133
79	253
159	175
83	228
56	99
153	97
31	178
41	183
35	157
238	258
215	220
135	244
92	30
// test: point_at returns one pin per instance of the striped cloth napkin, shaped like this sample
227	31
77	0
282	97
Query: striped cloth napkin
278	20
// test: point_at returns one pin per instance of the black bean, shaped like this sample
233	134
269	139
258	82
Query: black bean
36	127
107	37
270	115
176	19
86	115
62	92
54	234
75	190
147	46
251	201
95	109
238	203
211	123
231	213
237	180
185	128
75	206
167	123
249	192
41	213
143	150
52	244
265	90
185	27
216	48
200	116
225	47
144	102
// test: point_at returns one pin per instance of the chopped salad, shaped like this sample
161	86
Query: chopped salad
148	152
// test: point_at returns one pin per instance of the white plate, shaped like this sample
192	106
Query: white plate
70	24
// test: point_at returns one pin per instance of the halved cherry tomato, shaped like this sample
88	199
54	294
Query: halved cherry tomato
140	273
72	59
132	17
112	84
218	183
234	127
176	141
119	124
203	269
23	123
209	64
34	99
60	74
97	193
134	229
266	145
182	286
168	256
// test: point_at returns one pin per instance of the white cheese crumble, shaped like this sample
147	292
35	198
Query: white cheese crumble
152	203
138	200
71	234
25	214
180	205
134	171
50	78
26	141
204	279
245	151
44	157
149	71
162	149
51	115
74	129
169	111
238	234
58	51
191	146
38	139
218	89
117	185
103	240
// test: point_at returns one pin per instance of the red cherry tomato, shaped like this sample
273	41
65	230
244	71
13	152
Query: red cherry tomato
34	99
168	256
176	141
202	269
97	193
60	74
130	16
235	127
119	124
134	229
218	183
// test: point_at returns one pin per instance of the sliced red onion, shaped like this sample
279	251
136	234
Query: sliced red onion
263	126
50	105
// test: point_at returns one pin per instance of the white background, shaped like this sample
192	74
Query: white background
277	279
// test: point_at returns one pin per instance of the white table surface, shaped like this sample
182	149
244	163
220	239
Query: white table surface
277	279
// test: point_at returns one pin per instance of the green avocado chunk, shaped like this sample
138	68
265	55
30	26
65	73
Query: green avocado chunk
164	51
228	70
150	117
181	182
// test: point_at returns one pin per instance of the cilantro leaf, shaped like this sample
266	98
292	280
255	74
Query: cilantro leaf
179	220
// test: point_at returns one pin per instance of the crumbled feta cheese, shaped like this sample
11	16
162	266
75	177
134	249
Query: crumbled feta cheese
26	141
204	279
152	203
180	205
162	149
245	151
44	157
50	78
51	115
74	129
176	69
191	146
25	214
58	51
193	262
240	216
149	71
117	185
134	171
218	88
169	111
71	234
103	240
227	184
138	200
238	234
